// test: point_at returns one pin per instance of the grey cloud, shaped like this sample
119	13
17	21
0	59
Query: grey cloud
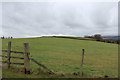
55	18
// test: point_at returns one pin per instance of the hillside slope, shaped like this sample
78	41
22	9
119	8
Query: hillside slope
64	55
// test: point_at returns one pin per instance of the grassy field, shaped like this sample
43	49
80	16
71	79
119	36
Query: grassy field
64	55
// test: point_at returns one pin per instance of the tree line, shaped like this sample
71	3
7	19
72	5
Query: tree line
98	37
10	37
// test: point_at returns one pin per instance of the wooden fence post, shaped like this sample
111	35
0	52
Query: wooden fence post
26	58
82	62
9	52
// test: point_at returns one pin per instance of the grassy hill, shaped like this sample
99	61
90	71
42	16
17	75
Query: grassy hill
64	55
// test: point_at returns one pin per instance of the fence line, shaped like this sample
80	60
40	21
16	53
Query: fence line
25	53
26	58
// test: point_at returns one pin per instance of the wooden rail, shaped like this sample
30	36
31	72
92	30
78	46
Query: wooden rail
11	57
13	51
12	62
38	63
26	58
17	63
4	61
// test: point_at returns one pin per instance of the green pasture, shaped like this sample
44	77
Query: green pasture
64	55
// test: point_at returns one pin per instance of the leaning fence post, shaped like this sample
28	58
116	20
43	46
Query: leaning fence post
82	62
9	52
26	58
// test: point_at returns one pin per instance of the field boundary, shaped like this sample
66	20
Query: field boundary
26	58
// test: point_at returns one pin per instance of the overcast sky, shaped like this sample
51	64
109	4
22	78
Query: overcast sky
31	19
